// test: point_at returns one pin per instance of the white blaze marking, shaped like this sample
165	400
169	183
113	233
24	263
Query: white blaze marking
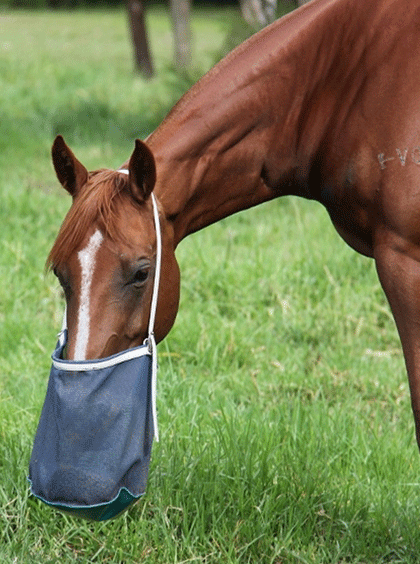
87	262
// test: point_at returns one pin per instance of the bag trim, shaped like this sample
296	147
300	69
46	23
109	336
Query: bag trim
86	365
115	506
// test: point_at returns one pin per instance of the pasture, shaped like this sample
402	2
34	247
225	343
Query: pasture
284	412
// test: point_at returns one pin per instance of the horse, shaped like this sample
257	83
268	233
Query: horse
321	104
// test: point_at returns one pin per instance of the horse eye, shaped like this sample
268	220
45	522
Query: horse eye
140	277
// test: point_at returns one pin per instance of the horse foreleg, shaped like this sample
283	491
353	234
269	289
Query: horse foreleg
398	268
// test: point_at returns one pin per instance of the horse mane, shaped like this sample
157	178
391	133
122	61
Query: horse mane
98	202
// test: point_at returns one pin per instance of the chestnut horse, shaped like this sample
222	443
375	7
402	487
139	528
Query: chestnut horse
323	104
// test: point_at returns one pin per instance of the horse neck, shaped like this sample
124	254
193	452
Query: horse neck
249	130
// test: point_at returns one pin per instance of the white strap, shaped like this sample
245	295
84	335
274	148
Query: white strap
156	281
153	306
152	315
152	342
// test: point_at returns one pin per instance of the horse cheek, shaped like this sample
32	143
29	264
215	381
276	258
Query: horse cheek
168	299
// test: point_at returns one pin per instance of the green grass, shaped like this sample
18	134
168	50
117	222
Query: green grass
286	431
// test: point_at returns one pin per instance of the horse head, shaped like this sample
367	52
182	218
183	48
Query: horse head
105	255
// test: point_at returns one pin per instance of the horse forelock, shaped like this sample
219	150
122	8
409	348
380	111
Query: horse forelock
99	202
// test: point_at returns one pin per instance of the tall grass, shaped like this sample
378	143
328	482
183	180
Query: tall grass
286	432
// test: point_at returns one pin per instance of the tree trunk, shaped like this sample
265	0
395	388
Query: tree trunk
258	13
142	57
180	11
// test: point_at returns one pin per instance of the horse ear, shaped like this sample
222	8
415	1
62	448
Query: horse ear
142	172
70	172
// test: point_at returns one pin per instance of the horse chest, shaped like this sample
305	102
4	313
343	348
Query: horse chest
352	221
349	195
